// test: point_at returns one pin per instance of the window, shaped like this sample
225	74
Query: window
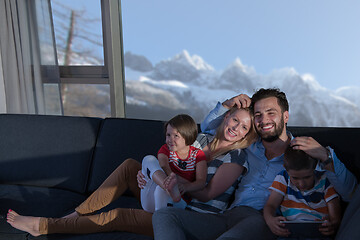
88	40
184	56
78	31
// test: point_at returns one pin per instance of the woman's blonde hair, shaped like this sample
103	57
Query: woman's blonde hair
248	139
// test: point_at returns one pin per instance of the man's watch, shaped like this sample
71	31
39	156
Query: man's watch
328	160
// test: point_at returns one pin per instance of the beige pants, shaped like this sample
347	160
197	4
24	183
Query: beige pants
119	219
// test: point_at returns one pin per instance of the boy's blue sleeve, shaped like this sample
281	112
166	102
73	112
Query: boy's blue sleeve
213	119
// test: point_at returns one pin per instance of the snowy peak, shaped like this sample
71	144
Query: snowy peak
137	62
237	64
238	76
182	67
311	82
193	61
351	93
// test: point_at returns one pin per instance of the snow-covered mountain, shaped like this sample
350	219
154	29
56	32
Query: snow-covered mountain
184	68
186	83
351	93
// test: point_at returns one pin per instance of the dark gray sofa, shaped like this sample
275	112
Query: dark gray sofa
50	164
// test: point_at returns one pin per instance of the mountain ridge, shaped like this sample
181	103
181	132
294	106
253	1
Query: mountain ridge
197	85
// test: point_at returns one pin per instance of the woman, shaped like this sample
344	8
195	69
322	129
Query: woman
224	168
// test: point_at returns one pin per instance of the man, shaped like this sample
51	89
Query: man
243	219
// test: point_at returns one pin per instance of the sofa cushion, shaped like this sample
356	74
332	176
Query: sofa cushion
38	201
35	201
121	139
50	202
47	151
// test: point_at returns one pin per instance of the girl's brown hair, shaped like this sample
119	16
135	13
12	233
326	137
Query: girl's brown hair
186	126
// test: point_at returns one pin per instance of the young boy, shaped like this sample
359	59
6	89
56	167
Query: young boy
302	194
179	167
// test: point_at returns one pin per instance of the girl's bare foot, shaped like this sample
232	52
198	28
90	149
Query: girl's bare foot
171	186
71	215
24	223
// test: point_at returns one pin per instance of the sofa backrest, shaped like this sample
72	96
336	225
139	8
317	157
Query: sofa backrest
47	151
120	139
345	142
78	153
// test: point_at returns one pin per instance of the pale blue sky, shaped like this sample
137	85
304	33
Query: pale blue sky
320	37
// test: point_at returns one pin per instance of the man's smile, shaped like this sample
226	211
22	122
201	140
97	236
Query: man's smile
268	127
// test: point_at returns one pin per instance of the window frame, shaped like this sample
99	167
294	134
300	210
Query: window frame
112	72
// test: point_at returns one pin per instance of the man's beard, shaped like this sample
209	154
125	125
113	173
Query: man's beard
271	137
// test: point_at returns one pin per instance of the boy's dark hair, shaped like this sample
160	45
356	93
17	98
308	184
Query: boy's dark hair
186	126
298	160
271	92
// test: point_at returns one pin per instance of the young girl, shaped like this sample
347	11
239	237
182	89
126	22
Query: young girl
177	160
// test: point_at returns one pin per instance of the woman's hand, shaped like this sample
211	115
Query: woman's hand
141	180
182	188
241	101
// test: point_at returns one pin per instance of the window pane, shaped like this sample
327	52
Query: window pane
91	100
52	96
78	32
184	56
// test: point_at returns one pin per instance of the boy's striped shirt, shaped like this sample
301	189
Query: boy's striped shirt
304	205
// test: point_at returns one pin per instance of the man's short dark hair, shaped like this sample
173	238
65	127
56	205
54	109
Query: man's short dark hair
298	160
271	92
